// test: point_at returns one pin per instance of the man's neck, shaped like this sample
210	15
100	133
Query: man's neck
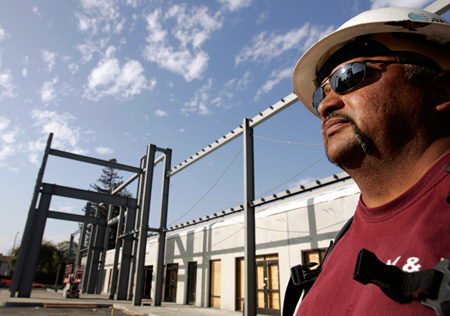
382	180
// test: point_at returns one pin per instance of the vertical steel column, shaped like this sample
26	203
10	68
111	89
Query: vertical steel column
249	209
115	271
143	228
162	228
22	257
140	195
98	247
81	243
125	261
90	247
26	281
103	253
69	252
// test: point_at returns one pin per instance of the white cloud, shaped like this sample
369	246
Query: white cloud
160	113
36	11
193	27
73	68
7	86
65	136
3	34
275	78
398	3
234	5
49	58
200	101
104	151
8	138
300	182
25	72
121	82
48	91
265	46
101	15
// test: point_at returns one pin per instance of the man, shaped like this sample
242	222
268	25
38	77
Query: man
381	86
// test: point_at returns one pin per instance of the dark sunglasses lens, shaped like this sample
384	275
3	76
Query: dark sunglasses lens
348	77
317	98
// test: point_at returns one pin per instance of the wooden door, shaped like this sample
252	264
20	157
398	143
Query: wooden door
215	276
170	291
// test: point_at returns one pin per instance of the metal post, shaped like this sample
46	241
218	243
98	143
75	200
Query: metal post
22	257
103	253
87	270
35	243
125	262
162	228
81	242
143	228
89	258
98	247
115	271
249	209
140	195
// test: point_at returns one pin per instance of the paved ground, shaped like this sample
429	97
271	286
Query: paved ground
43	302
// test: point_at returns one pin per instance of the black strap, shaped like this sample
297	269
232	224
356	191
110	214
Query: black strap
430	286
302	277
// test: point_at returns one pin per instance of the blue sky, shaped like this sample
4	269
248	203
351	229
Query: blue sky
109	77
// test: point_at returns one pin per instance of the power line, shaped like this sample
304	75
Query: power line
209	190
312	164
287	142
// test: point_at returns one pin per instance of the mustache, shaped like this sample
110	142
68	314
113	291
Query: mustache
339	115
366	144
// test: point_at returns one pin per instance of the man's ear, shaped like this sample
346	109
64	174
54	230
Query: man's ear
443	91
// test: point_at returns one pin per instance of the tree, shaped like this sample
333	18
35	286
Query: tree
51	259
106	183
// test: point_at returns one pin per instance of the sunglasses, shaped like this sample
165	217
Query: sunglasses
347	78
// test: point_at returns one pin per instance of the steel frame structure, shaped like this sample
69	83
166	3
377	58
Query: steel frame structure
134	215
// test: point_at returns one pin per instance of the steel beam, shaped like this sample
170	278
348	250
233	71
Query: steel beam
35	244
103	252
162	229
140	195
76	218
90	195
439	7
249	219
115	271
125	262
145	213
95	258
260	118
94	161
26	237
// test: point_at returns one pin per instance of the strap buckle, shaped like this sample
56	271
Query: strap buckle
431	286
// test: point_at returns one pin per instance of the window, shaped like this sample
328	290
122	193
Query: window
314	255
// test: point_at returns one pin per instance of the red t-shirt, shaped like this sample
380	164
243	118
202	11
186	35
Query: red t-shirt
410	232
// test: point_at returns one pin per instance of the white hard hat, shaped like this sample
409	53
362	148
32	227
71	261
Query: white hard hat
385	20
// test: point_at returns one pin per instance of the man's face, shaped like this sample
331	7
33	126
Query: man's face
377	118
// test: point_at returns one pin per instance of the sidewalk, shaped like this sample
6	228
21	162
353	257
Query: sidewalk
39	297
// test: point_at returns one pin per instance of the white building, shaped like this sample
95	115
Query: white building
204	262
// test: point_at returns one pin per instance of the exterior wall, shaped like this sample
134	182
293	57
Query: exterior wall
285	228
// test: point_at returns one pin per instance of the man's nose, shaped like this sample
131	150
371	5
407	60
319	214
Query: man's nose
332	102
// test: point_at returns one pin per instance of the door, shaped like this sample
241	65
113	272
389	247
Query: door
215	275
267	285
148	274
191	283
170	292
